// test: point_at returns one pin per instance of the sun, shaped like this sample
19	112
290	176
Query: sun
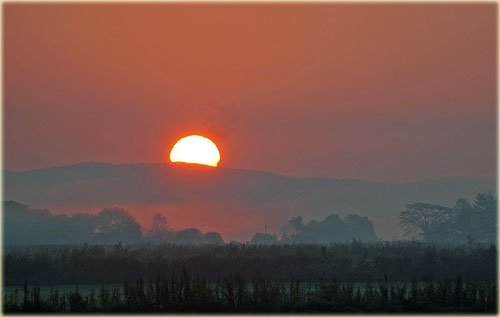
195	149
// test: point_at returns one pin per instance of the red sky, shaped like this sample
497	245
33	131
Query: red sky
383	92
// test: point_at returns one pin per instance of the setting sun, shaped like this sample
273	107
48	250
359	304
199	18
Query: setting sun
195	149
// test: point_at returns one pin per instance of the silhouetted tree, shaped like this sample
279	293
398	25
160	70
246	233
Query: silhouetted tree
189	235
159	231
115	225
422	219
213	238
331	229
462	223
360	228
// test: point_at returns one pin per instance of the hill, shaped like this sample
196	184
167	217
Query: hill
234	202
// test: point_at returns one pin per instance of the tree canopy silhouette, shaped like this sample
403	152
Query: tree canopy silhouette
464	222
331	229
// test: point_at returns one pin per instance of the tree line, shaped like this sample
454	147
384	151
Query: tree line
26	225
464	222
332	228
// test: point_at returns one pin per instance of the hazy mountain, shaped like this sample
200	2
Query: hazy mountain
235	202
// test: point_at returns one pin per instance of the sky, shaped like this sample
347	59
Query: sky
392	93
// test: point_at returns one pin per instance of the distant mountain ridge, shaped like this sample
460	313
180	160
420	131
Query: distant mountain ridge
221	198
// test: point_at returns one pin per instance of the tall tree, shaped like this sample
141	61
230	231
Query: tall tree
115	225
425	220
462	223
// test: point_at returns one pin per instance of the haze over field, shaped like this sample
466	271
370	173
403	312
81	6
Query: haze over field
298	99
236	203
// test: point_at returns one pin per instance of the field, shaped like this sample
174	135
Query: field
349	277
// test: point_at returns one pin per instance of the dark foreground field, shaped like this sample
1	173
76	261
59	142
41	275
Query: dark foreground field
351	277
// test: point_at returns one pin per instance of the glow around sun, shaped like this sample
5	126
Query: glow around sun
195	149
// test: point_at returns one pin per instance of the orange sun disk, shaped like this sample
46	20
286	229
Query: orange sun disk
195	149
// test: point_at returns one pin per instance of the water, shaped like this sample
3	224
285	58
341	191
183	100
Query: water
83	289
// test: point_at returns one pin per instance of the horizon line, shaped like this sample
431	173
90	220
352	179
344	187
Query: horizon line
426	180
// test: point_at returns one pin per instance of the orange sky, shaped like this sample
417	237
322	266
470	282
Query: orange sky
383	92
